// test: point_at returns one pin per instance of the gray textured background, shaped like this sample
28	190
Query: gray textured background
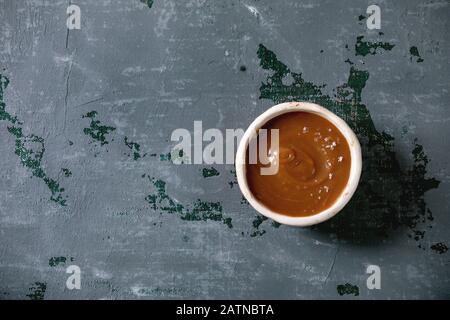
148	71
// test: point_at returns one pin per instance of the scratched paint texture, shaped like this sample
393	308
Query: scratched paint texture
86	172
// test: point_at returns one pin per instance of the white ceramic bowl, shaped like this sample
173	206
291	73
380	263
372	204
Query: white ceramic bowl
355	169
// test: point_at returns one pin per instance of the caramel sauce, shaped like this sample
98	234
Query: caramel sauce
313	166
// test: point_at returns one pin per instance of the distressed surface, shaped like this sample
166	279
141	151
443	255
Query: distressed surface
87	178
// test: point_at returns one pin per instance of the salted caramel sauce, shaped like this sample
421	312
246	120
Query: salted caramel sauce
313	166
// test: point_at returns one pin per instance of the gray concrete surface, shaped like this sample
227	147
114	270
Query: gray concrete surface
149	69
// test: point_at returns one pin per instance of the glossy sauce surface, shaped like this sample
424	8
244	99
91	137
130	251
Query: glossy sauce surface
314	166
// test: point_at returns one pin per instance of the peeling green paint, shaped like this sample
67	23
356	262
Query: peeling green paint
56	261
96	130
174	156
135	148
234	181
37	291
256	224
363	48
276	224
149	3
347	289
415	54
204	210
244	201
198	211
5	115
211	172
67	173
29	148
165	157
439	247
388	196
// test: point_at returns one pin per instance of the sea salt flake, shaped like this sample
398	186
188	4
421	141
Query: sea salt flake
333	145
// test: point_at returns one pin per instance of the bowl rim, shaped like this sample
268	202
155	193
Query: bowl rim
355	166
